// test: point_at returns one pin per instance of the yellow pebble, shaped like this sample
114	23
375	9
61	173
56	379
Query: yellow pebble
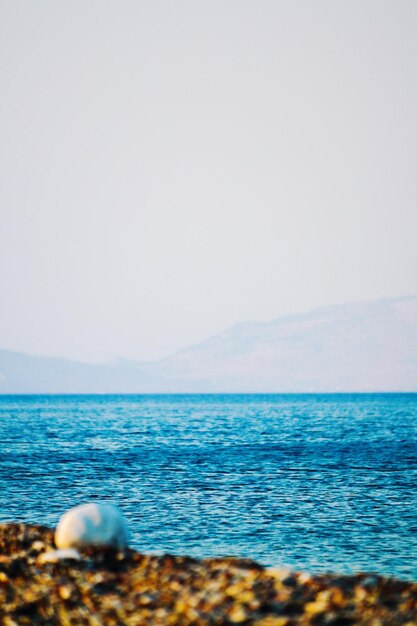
246	596
65	592
180	606
234	590
237	615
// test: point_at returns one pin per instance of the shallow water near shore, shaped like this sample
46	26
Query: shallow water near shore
315	482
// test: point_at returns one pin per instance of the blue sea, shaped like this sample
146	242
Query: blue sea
313	482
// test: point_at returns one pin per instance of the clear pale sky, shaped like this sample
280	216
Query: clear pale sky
170	168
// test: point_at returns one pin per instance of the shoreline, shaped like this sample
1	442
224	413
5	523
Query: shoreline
108	587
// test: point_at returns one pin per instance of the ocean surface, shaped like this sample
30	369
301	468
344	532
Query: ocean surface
314	482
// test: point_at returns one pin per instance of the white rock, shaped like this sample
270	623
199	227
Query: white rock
279	572
91	524
52	556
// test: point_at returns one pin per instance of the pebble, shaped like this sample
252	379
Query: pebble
116	588
53	556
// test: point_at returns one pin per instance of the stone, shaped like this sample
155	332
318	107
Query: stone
53	556
92	524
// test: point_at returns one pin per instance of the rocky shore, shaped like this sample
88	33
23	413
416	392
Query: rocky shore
115	587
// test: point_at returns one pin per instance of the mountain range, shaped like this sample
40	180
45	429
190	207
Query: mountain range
360	347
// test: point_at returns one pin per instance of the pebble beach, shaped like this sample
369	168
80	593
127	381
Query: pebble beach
115	587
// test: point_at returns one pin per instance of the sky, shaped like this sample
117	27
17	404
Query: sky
169	169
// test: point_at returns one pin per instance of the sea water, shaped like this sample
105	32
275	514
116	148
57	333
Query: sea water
313	482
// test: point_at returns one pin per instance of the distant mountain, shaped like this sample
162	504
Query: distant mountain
355	347
22	373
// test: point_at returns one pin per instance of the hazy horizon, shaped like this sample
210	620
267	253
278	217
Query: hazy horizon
168	171
236	325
